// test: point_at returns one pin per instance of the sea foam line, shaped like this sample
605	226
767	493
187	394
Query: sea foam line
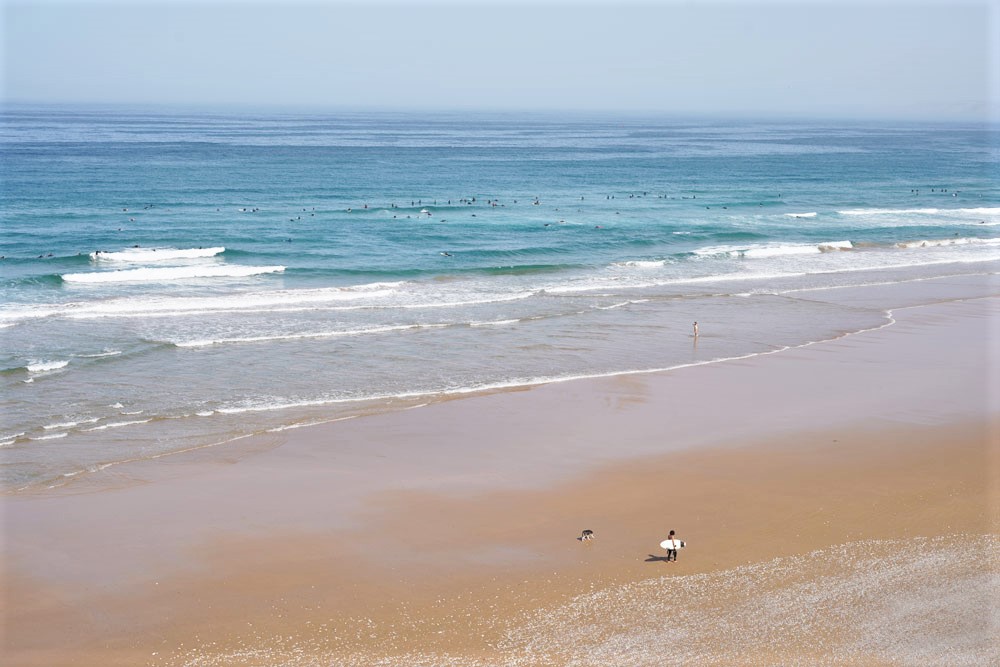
52	427
300	336
54	436
373	296
642	263
169	273
766	251
982	210
888	211
156	254
118	425
44	366
939	243
621	304
99	355
494	323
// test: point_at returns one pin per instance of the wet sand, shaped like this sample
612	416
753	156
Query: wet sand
821	490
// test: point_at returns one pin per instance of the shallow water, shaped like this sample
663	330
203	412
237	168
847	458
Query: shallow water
261	272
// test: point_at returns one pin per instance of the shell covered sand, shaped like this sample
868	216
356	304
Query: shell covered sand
880	602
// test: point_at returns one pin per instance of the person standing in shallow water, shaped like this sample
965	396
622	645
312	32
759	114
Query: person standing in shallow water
695	329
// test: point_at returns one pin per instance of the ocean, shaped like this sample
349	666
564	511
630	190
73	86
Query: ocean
181	280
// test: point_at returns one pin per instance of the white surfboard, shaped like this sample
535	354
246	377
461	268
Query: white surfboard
672	544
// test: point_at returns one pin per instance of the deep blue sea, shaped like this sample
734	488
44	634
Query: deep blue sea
177	280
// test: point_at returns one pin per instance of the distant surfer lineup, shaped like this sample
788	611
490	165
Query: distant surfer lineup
370	263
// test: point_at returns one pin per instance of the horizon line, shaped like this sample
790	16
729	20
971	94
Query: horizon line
990	117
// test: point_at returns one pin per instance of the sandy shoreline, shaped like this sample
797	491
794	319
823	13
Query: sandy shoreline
446	534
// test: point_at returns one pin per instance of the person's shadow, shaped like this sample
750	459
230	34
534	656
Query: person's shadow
654	558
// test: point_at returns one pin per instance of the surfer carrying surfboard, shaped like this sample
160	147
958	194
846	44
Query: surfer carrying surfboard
672	544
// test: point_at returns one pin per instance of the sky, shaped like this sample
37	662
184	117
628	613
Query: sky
928	59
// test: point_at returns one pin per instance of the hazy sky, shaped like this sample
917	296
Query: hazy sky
893	58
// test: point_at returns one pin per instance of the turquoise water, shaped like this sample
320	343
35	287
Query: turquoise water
260	272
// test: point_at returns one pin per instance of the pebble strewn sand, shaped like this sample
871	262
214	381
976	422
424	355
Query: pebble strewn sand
926	601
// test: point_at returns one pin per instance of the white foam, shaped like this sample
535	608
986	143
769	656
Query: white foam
283	300
980	211
54	436
494	323
769	250
596	284
940	243
98	355
642	264
299	336
45	366
156	254
888	211
621	305
356	297
170	273
810	214
118	425
836	245
52	427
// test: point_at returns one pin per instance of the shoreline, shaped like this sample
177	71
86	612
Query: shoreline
973	286
385	517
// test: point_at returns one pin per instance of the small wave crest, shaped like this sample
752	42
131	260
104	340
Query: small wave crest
53	436
940	243
155	254
169	274
299	336
100	355
494	323
765	251
811	214
888	211
982	210
45	366
165	306
622	304
641	264
103	427
71	424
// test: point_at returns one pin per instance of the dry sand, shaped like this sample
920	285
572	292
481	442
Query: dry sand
840	503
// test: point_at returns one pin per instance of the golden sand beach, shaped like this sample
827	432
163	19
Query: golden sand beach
839	501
